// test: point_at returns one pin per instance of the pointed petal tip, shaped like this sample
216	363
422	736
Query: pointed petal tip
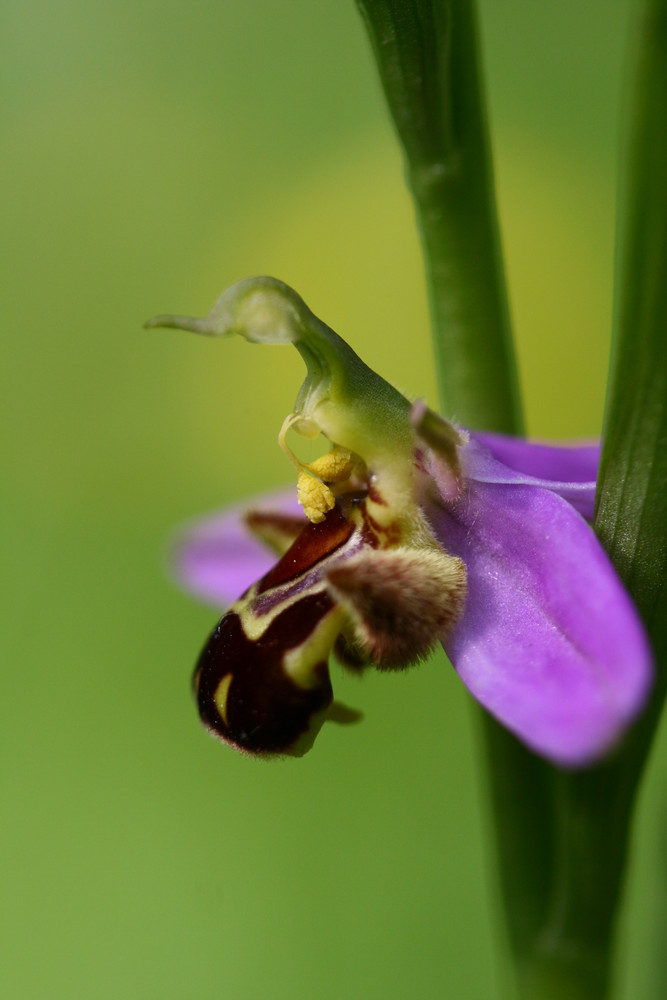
580	742
573	722
192	324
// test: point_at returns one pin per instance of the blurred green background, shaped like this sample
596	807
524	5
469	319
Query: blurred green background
152	153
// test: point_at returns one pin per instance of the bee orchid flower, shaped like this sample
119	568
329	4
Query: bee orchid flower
407	532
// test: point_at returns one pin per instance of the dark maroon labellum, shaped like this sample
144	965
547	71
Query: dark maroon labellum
265	711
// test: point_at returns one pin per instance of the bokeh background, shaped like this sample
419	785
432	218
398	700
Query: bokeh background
152	153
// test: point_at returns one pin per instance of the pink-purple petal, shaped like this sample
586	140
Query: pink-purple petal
569	470
549	641
217	559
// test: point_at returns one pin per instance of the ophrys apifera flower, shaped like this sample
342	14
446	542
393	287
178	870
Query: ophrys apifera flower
410	532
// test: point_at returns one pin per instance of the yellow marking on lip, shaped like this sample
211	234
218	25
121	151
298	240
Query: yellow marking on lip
220	696
298	662
255	625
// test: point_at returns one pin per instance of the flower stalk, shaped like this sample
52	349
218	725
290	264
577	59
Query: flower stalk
594	809
427	57
632	497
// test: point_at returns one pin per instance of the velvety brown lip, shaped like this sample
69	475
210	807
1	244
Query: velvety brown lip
266	710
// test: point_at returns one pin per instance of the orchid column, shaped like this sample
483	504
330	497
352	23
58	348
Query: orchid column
562	837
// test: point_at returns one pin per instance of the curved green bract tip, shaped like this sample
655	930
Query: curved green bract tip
341	396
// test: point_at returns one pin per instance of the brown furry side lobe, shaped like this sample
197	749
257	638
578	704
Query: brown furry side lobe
401	601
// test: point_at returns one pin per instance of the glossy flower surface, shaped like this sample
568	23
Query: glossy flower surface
412	533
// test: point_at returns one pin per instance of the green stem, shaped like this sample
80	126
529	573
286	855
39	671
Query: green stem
593	810
631	515
426	51
568	951
632	488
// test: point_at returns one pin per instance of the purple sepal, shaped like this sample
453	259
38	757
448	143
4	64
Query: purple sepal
569	470
217	559
549	641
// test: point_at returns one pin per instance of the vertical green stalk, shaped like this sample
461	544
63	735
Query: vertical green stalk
631	517
631	514
427	56
594	809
